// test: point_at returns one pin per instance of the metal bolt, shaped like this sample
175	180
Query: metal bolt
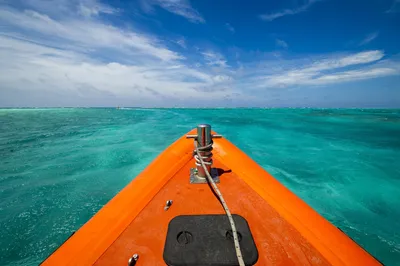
132	261
168	204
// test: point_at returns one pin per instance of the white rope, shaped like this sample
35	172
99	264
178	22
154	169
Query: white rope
228	213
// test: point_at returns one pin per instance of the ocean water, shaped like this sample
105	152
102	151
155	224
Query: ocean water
59	166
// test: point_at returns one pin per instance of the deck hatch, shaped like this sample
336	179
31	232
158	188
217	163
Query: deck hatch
207	240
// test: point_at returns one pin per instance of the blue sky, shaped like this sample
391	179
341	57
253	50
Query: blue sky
181	53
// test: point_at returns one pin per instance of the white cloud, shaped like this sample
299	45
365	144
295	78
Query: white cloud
354	75
286	12
215	59
369	38
178	7
87	34
329	70
229	27
82	58
58	8
281	43
347	60
63	57
222	78
36	67
89	8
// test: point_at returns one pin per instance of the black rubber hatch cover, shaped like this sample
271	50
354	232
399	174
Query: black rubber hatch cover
207	240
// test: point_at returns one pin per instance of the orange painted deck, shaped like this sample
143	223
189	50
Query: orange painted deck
286	230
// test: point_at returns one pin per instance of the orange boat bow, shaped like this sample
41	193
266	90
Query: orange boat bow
285	229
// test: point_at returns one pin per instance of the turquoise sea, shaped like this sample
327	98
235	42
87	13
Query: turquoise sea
59	166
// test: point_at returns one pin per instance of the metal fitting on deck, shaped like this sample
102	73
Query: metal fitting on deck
132	260
204	140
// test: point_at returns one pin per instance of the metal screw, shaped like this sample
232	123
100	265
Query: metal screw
132	261
168	204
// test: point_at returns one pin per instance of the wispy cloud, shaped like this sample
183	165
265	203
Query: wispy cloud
354	75
229	27
222	78
182	43
287	12
369	38
214	59
89	8
348	60
331	70
78	77
85	34
281	43
181	8
395	7
83	59
63	56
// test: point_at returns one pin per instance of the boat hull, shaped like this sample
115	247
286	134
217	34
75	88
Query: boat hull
285	229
